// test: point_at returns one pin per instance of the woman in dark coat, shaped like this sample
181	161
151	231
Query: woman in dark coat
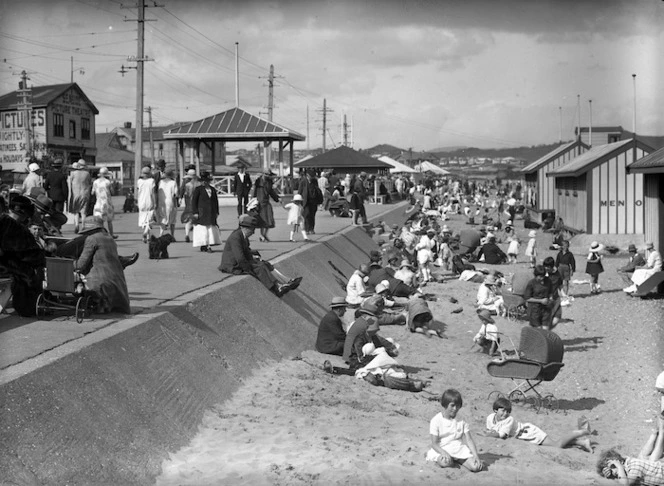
205	210
263	191
104	274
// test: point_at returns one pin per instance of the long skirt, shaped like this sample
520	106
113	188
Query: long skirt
206	235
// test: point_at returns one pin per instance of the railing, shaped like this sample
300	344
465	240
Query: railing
224	185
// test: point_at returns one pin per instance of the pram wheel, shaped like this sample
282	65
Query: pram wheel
39	306
550	402
82	308
494	395
518	398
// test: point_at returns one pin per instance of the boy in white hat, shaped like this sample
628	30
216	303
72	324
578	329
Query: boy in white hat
531	249
295	216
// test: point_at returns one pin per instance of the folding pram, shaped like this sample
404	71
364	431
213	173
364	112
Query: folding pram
539	358
63	290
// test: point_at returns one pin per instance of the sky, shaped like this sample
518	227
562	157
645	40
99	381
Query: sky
420	74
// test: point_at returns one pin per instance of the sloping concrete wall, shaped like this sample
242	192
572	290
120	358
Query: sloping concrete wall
108	408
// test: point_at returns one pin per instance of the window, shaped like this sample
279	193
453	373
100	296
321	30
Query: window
85	128
72	129
58	125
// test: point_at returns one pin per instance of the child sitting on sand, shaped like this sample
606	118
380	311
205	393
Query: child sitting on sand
643	469
451	441
487	337
502	425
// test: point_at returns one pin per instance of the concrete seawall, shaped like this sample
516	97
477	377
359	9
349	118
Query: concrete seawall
109	407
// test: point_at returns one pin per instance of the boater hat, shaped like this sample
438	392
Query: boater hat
594	246
338	302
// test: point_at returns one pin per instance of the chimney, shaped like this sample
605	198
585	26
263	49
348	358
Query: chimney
127	124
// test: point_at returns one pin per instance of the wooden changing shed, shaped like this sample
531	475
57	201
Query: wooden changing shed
652	168
594	193
539	189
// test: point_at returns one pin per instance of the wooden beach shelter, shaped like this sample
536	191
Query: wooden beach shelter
234	125
595	194
345	159
652	168
538	188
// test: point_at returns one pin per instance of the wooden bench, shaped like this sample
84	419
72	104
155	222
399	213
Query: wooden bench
377	199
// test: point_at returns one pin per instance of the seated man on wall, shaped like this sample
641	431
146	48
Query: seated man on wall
331	335
239	259
635	261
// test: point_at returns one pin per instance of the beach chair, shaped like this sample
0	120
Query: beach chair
539	358
63	290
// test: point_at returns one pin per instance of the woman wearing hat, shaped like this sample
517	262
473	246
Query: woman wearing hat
80	186
146	201
100	263
21	256
101	190
407	274
594	266
33	179
167	203
45	216
205	209
189	183
263	192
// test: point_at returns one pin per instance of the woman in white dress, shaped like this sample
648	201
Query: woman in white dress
146	201
167	205
101	189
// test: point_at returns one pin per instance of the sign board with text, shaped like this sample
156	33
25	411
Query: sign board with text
17	133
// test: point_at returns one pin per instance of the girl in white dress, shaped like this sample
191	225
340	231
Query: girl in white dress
295	217
167	206
101	189
146	201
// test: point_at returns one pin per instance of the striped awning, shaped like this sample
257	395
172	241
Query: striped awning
233	125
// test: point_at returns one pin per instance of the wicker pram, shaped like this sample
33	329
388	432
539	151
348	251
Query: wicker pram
539	358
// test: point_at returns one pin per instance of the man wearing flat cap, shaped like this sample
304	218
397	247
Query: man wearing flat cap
238	259
331	334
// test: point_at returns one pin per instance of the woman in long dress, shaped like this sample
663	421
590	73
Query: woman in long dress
80	185
263	191
205	208
101	189
146	201
186	191
167	206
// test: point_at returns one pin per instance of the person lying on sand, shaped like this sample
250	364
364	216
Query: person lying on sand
501	424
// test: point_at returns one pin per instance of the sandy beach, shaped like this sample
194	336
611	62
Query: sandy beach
293	424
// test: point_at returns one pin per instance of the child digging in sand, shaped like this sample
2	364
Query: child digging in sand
502	425
451	441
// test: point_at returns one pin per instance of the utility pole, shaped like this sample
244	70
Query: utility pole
345	132
25	106
140	60
149	110
308	137
325	111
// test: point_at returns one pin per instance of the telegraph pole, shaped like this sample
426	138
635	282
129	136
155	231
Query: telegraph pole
140	60
345	132
325	111
149	110
25	106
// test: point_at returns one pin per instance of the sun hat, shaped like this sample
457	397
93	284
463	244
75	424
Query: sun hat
338	302
380	288
594	246
485	315
103	171
631	248
33	167
650	246
191	173
509	222
42	202
75	166
406	263
92	223
490	280
297	197
246	221
368	348
532	234
81	163
146	170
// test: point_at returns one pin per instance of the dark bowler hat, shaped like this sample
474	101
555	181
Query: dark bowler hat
631	248
247	221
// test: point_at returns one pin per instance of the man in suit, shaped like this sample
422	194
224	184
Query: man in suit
311	198
241	189
331	335
239	259
56	187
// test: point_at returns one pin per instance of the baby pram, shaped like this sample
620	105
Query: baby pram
515	304
539	358
63	290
